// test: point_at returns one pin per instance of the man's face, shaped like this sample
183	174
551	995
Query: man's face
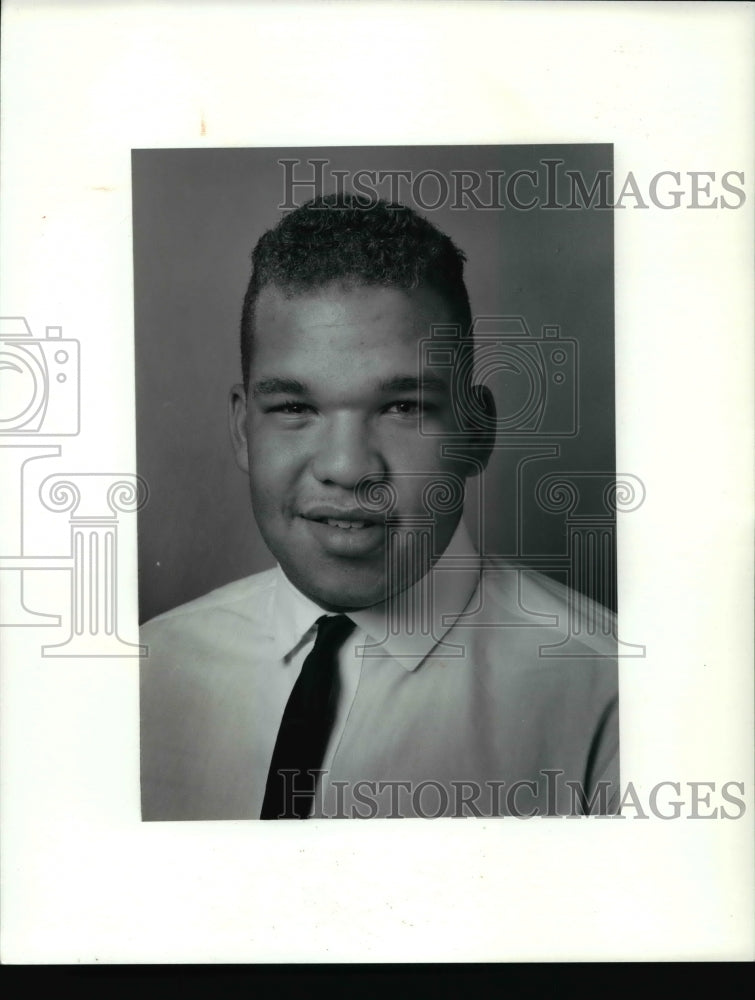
334	396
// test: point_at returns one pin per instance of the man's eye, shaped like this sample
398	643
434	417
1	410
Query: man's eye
290	408
404	407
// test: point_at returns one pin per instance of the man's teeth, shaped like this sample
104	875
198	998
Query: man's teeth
345	524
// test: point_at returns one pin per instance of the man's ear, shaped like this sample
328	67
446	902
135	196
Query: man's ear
237	424
482	427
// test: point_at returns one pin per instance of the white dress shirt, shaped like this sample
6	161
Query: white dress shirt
481	691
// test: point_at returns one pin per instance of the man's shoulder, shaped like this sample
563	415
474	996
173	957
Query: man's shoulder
523	596
247	601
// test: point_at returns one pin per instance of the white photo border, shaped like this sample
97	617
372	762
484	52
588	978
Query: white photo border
670	85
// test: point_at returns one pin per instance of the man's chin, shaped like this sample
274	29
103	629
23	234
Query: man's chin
339	592
343	600
354	577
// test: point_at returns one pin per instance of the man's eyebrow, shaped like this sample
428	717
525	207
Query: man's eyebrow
414	383
274	385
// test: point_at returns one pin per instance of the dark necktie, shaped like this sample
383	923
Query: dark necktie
306	725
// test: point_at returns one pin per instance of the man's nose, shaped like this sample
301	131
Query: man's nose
346	453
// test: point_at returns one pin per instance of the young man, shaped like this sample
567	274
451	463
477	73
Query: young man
382	669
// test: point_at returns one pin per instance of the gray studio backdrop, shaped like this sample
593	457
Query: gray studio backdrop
197	214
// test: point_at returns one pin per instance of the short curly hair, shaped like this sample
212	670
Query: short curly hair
339	238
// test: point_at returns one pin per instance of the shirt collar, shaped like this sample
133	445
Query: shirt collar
294	616
408	627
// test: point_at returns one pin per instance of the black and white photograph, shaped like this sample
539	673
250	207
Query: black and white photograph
460	681
375	444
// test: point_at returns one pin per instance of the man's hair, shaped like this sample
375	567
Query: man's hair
339	238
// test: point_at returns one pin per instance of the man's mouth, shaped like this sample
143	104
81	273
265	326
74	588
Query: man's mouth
347	532
350	519
347	525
